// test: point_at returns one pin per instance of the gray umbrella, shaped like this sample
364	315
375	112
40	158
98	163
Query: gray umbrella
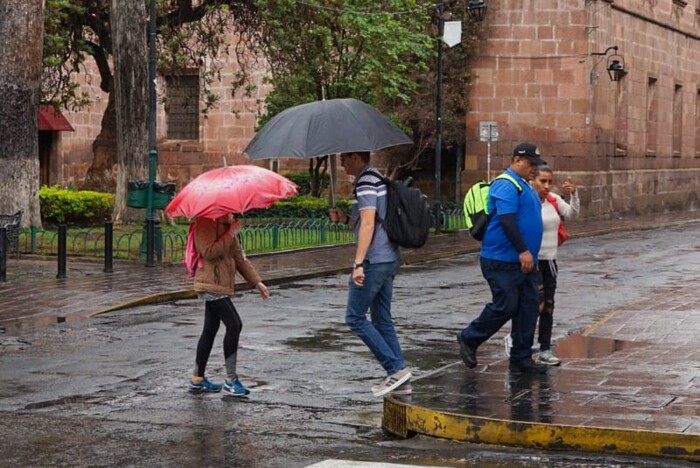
325	127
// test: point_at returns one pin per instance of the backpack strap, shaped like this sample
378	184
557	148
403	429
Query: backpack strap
512	180
553	200
384	180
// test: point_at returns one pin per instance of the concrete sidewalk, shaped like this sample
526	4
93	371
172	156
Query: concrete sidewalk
587	404
627	385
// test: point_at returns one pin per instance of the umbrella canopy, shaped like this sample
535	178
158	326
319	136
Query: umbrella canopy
232	189
325	127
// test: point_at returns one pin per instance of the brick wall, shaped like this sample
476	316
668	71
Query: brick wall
223	132
536	77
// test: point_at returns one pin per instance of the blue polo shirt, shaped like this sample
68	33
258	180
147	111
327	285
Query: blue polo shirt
504	197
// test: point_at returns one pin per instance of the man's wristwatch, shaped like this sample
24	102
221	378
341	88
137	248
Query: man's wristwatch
355	266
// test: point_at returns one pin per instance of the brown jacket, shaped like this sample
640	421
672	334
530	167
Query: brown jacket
221	258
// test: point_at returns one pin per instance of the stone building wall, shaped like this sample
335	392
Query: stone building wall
632	145
223	132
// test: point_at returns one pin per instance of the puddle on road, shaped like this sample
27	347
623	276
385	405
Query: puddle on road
580	346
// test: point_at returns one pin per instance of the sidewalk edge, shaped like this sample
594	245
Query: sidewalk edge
402	419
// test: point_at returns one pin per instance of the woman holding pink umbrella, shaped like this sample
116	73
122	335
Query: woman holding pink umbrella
222	256
210	199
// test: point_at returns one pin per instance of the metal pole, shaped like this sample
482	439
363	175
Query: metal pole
438	115
153	151
3	254
108	247
488	158
459	157
62	230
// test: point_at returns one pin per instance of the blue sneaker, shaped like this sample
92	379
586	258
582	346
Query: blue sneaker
235	388
204	386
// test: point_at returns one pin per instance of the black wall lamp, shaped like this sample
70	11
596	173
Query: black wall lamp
616	64
476	10
616	69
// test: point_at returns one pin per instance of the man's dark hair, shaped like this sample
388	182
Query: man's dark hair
364	155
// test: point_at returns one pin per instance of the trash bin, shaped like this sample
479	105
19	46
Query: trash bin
137	194
162	194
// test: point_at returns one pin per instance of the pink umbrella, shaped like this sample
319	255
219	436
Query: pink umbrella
232	189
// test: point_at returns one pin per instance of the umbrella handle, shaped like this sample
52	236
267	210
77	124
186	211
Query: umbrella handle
333	171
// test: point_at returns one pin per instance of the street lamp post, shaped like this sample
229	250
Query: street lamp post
153	151
476	9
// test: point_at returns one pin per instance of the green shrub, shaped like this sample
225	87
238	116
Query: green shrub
300	206
301	178
60	205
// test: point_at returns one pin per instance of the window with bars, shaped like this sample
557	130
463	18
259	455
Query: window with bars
652	126
182	107
697	124
677	142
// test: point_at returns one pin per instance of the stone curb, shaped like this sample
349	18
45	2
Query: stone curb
403	419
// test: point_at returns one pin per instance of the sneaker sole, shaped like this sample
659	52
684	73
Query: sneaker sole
202	390
230	393
393	386
549	363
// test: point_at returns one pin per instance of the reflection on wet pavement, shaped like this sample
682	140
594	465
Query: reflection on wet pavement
579	346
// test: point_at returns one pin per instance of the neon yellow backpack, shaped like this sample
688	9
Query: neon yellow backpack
476	209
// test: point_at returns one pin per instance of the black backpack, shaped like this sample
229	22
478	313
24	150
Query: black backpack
407	221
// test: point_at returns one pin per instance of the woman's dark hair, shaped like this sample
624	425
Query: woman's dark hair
543	168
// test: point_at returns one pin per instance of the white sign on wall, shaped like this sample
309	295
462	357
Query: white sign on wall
488	130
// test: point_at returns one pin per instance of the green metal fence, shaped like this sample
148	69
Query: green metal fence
171	240
256	236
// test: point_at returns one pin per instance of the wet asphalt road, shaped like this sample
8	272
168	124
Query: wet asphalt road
111	391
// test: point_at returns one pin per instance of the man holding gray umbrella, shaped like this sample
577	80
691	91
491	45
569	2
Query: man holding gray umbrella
377	260
352	128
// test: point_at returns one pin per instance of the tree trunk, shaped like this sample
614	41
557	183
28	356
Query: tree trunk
100	175
128	23
21	39
317	168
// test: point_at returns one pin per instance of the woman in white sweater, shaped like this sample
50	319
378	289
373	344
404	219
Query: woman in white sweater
554	209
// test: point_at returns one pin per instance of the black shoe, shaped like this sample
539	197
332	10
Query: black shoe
528	366
466	352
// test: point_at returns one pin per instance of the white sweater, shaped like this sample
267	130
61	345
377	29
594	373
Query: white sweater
551	220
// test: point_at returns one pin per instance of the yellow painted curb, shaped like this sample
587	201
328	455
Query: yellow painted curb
146	300
403	419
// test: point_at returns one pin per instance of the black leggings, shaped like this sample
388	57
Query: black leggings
221	310
548	269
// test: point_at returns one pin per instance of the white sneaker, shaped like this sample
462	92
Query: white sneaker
508	344
391	382
404	389
548	357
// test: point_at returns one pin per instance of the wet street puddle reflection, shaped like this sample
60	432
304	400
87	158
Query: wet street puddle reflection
579	346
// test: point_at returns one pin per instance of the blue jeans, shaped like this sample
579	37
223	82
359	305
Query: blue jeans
515	298
375	294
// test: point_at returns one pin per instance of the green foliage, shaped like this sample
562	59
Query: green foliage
60	205
342	48
300	206
63	54
303	180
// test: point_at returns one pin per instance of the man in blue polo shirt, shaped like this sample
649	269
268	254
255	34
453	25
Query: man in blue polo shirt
509	264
